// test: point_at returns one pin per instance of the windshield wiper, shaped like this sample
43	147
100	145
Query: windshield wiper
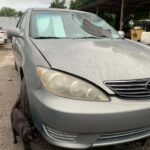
90	37
93	37
41	37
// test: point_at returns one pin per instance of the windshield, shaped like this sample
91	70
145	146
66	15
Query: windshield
55	24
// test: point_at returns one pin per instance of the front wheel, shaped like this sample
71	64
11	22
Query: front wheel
16	67
24	101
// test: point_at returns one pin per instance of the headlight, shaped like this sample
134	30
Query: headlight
67	86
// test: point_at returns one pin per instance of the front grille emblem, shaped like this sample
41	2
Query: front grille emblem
138	88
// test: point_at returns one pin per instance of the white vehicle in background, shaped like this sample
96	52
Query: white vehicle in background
3	36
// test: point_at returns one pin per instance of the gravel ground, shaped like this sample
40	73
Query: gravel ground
9	91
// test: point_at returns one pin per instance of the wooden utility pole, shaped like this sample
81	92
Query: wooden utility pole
122	15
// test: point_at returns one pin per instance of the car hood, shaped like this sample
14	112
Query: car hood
97	60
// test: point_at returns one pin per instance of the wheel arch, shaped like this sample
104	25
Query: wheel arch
21	73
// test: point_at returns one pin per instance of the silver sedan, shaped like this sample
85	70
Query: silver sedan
83	85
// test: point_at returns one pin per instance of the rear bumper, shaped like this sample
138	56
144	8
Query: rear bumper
91	123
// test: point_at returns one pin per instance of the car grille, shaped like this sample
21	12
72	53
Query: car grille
130	88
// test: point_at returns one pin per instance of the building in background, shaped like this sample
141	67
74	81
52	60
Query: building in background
8	22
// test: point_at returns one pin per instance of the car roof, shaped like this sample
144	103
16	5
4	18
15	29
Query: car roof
56	9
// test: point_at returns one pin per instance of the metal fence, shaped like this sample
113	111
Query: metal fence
8	22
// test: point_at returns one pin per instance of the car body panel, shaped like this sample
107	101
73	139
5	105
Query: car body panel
89	120
95	60
117	113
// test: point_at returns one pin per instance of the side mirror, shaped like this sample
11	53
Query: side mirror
122	34
14	32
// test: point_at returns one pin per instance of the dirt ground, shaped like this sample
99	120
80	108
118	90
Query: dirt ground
9	90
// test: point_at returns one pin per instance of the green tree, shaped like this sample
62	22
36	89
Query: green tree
8	12
75	4
19	13
58	4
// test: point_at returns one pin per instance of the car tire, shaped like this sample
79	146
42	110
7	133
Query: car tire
24	102
16	67
24	106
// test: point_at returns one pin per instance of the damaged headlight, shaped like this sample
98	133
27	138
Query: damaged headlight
64	85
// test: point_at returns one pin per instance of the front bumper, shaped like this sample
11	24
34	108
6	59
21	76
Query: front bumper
83	124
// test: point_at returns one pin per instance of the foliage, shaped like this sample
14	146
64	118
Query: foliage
58	4
5	11
76	4
10	12
20	13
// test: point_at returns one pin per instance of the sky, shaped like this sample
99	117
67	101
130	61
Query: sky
24	4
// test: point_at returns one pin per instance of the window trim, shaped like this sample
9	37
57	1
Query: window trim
21	20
